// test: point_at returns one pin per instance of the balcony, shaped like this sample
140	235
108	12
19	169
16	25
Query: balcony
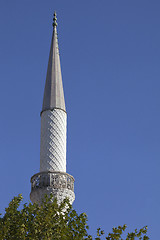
55	180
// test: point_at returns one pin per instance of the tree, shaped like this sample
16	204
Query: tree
50	221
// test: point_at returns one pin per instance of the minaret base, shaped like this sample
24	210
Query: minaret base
59	184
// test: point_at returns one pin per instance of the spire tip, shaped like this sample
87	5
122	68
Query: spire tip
54	19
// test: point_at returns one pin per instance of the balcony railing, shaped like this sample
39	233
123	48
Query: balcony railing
56	180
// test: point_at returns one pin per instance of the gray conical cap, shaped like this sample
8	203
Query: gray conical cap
53	93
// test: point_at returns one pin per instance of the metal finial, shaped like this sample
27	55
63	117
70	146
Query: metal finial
55	19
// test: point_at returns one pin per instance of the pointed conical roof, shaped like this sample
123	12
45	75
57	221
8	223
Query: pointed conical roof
53	93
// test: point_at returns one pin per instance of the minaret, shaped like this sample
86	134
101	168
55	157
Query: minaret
52	177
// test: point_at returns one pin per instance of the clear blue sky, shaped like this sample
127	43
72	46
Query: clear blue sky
110	57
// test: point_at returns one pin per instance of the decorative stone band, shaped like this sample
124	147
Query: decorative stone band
55	180
60	184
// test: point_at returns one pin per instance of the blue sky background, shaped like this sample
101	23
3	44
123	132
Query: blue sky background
110	57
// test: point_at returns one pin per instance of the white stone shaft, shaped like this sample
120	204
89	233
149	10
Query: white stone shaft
53	141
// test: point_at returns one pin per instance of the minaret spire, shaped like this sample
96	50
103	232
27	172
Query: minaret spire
52	177
53	93
54	19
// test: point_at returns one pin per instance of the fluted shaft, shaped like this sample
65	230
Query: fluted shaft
53	141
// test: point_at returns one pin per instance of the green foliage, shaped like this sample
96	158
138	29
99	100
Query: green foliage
118	232
50	221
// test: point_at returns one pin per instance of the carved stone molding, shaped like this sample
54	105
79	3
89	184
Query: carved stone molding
60	184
